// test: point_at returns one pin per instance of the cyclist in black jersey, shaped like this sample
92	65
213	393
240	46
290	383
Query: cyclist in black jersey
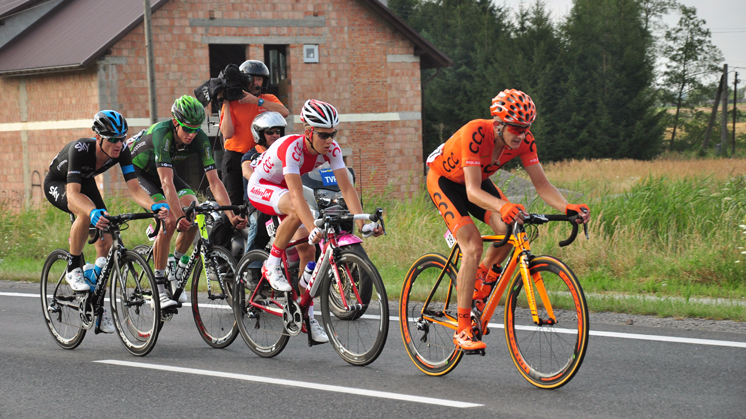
154	152
71	187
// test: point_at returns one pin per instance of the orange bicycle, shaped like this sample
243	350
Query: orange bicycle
545	312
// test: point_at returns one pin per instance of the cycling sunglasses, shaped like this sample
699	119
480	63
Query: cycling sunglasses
273	131
327	135
114	140
516	130
189	130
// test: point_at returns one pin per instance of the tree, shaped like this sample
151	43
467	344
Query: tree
691	57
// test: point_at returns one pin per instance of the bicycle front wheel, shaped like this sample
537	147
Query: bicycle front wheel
549	354
258	308
357	289
135	306
59	303
212	297
428	315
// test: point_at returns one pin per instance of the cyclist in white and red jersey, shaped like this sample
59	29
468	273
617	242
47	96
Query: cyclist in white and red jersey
459	185
275	188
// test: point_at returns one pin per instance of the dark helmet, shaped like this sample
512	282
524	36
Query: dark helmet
256	68
188	110
109	124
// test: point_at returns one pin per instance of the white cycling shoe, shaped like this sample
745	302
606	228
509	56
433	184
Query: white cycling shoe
317	332
276	277
105	324
76	280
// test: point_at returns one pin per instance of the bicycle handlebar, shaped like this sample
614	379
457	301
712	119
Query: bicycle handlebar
117	220
537	219
377	216
206	207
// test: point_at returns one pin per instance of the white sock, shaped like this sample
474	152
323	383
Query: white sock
273	261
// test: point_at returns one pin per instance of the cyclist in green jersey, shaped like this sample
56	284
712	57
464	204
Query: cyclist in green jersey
154	152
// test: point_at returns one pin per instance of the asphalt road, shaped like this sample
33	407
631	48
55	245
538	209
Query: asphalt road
629	372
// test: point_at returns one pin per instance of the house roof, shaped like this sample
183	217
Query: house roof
430	56
76	32
71	36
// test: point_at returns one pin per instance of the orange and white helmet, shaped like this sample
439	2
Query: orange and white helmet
319	114
514	107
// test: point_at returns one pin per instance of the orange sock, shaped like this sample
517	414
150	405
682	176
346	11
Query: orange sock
464	319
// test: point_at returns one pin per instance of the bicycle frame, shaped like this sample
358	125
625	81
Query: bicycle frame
518	260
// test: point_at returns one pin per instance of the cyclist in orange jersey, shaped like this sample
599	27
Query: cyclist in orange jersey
459	185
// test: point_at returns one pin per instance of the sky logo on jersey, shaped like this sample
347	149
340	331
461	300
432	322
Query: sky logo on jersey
264	194
81	147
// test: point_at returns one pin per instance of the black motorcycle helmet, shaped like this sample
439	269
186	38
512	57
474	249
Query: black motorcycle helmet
256	68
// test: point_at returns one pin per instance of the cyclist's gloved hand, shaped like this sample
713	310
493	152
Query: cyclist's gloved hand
509	212
95	215
315	233
582	209
368	230
157	207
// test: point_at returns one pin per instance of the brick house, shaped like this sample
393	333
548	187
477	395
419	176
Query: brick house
63	60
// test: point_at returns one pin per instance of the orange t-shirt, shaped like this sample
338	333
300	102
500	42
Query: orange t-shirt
242	115
473	145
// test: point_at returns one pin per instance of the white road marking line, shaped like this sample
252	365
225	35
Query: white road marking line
656	338
293	383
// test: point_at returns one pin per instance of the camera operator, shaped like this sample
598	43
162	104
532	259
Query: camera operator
235	124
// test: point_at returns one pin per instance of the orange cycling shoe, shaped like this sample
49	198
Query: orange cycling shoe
466	341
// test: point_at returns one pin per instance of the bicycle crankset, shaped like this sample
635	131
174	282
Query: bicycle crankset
85	310
292	316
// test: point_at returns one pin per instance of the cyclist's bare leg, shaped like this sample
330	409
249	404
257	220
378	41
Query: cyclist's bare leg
496	255
289	225
186	238
470	242
306	252
79	235
162	244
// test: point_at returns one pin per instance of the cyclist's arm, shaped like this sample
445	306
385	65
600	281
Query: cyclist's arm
545	189
221	196
350	194
78	203
138	194
474	192
226	123
166	174
246	169
295	187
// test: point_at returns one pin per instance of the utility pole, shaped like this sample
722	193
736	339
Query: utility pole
735	103
724	119
150	62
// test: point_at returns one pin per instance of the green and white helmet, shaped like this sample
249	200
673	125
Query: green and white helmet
188	110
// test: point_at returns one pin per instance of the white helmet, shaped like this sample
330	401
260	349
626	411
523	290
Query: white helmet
265	121
319	114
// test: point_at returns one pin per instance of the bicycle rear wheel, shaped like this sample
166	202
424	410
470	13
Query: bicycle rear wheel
59	303
258	308
212	297
427	329
135	306
547	355
360	337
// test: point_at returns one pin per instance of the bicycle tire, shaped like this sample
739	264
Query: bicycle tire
60	307
135	305
145	251
358	339
211	303
258	310
365	290
548	356
429	342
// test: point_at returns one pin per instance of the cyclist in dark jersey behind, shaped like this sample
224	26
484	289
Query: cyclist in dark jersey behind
71	187
458	183
154	152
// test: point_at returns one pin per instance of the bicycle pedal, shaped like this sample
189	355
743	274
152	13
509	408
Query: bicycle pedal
486	331
475	352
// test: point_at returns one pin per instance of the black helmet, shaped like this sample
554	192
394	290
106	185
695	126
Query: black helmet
256	68
109	124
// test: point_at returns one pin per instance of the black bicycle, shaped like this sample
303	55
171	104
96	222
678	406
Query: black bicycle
133	295
212	269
